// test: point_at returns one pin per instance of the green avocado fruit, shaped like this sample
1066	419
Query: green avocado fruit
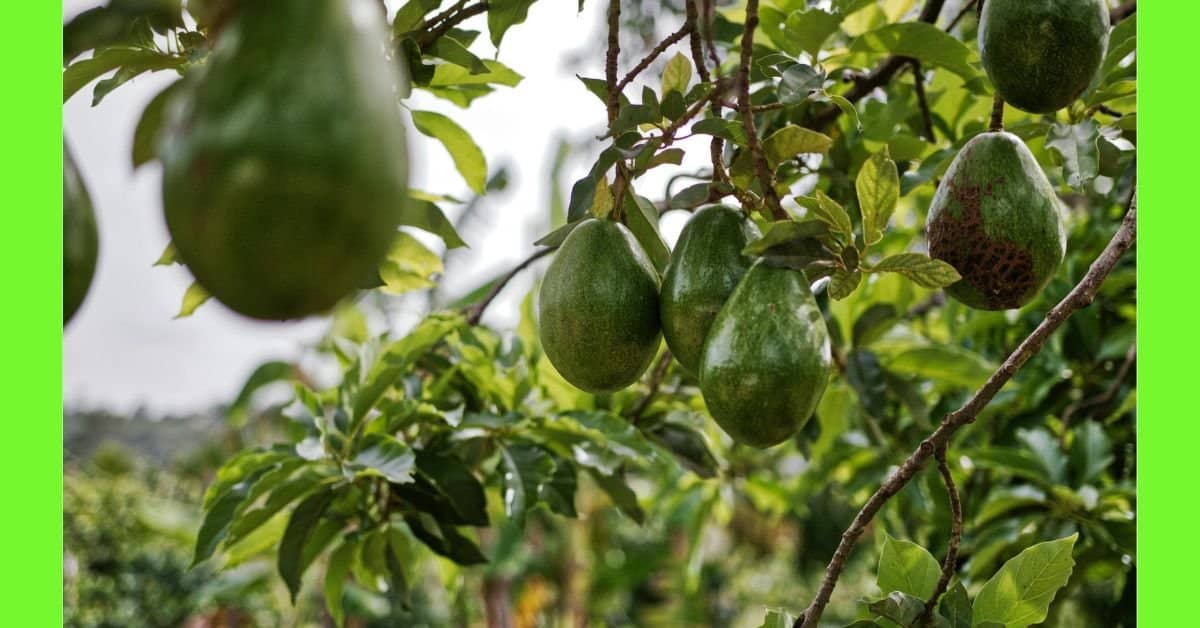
598	308
1042	54
767	358
81	242
705	267
996	220
285	163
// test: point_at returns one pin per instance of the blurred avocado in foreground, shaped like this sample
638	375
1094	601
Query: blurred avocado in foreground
81	242
285	161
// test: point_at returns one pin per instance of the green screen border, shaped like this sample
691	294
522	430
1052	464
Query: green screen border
1168	428
31	259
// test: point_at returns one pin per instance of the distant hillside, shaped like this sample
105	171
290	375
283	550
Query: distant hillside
160	439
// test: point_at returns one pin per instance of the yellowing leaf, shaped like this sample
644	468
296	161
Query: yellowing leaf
192	299
921	269
793	140
878	187
677	74
409	266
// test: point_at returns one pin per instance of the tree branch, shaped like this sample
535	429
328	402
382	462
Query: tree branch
961	14
447	20
1080	296
761	168
475	312
877	77
919	85
656	378
653	54
716	147
950	564
1123	11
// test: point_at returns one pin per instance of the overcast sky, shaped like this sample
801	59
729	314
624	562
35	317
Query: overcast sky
123	350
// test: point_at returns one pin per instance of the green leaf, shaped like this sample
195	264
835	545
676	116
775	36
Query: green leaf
265	374
1020	593
299	530
950	365
873	322
217	519
900	607
642	219
503	15
808	29
409	266
925	42
398	357
455	480
920	268
444	540
793	140
168	257
1120	89
843	283
380	454
1122	41
559	491
956	606
450	75
842	103
867	377
467	156
831	213
798	82
556	237
451	50
285	486
526	468
778	618
677	74
878	187
192	299
688	446
907	567
149	126
725	129
1075	145
131	59
426	216
335	578
620	493
1091	452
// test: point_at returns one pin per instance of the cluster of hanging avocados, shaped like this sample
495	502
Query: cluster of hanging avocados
284	158
751	332
995	216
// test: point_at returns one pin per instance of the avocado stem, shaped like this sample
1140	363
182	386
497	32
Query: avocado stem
997	123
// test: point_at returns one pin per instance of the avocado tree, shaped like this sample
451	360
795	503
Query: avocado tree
816	385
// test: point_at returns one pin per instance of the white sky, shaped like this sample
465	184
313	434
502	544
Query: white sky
124	350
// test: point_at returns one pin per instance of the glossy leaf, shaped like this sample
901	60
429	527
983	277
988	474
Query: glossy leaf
878	187
907	567
1020	593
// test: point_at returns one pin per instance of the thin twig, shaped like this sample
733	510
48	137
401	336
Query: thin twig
653	54
1080	296
1103	398
878	77
919	84
428	39
614	98
475	312
692	111
761	168
656	378
962	13
716	147
950	564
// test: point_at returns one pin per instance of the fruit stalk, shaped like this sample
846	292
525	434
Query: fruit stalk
997	121
1080	296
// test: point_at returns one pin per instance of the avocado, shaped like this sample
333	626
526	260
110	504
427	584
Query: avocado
81	242
996	220
1042	54
285	164
767	358
598	308
705	267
